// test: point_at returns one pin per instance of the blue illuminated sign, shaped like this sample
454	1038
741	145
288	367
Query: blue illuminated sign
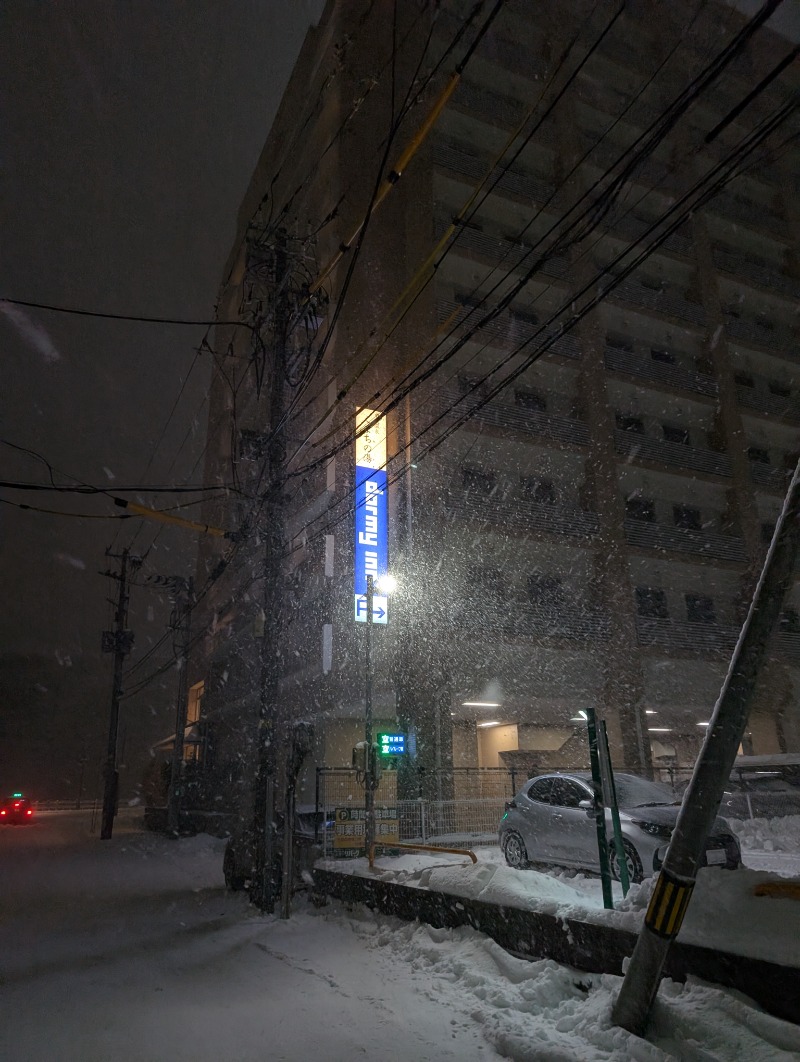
371	511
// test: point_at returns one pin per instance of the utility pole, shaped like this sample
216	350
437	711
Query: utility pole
184	603
267	876
675	882
119	642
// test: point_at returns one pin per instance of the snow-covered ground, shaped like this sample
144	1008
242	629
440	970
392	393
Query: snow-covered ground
131	949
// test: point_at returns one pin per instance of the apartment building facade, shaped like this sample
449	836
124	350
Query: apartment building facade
579	499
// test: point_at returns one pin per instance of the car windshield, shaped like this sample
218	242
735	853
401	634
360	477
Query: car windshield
633	792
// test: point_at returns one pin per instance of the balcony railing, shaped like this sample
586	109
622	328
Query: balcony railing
774	479
740	266
776	337
681	636
506	330
498	249
660	372
666	301
677	455
559	622
457	160
772	405
661	537
548	426
520	515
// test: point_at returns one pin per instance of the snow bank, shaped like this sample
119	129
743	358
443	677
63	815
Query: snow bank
723	914
769	835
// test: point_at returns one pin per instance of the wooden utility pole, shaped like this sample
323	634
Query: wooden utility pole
119	642
271	736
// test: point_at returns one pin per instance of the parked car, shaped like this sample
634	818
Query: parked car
552	820
16	809
763	787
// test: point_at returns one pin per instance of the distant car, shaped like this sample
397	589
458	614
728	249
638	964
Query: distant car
552	820
16	809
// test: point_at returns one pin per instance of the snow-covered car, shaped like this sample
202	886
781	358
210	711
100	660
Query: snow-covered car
16	809
552	820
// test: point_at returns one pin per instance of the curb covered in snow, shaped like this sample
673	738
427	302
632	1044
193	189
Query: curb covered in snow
583	945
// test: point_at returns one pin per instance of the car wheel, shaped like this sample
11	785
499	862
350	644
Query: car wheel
234	880
632	860
514	851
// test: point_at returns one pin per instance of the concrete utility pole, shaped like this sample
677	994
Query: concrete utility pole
184	606
673	889
267	877
119	642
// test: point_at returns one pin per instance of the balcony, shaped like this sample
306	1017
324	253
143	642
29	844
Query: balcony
497	250
744	268
519	515
752	214
774	337
681	636
563	623
769	477
664	538
771	405
667	301
658	372
473	168
547	426
506	330
633	228
675	455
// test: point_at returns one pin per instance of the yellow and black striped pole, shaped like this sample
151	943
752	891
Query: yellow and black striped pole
673	888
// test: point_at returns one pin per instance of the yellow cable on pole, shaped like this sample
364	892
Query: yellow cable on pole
167	518
394	176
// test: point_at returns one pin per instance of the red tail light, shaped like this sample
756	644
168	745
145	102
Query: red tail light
3	811
29	811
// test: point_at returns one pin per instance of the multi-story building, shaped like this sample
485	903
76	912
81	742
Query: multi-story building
582	482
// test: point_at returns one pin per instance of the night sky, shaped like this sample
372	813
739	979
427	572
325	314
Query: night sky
130	131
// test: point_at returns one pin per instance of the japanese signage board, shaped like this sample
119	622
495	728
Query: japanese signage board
371	513
391	744
348	829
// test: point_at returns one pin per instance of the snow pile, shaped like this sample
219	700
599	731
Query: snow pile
723	914
770	835
545	1012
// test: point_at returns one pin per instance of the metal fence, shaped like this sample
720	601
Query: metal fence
469	815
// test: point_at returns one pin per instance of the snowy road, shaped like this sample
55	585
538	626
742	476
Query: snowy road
131	949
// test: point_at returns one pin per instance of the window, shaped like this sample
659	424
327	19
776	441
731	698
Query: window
640	509
758	454
540	790
684	516
632	424
540	491
523	317
474	479
567	794
675	434
743	379
665	356
653	283
620	343
545	589
789	622
767	531
530	400
651	602
700	609
780	389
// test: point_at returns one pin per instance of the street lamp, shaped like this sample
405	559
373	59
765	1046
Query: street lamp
385	584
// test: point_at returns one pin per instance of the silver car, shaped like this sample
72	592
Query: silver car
552	820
